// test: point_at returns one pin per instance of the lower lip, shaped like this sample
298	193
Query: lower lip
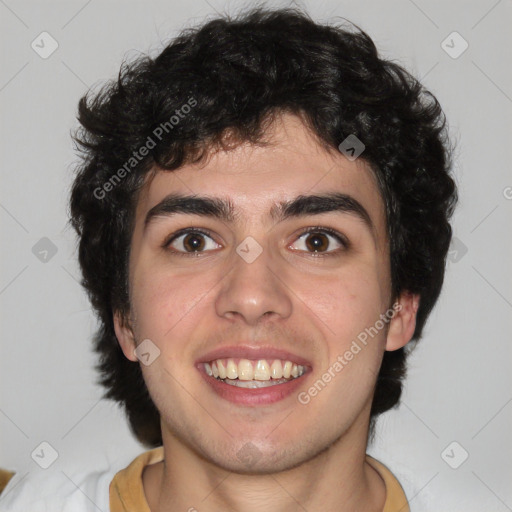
257	396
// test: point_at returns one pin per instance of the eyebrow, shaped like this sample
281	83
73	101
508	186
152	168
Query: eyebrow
224	209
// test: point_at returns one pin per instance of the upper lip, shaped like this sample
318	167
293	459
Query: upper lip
253	353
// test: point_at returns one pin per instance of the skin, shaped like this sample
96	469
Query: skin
310	456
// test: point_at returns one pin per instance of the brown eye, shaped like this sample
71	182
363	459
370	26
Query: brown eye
320	241
317	242
192	242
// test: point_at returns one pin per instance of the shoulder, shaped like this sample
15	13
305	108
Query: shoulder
396	498
402	486
5	476
56	490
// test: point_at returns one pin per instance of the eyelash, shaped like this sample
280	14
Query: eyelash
316	230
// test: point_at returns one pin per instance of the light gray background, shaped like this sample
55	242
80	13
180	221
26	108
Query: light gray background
459	385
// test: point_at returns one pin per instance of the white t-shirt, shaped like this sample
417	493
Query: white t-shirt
55	491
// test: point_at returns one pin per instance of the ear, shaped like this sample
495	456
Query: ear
403	323
125	337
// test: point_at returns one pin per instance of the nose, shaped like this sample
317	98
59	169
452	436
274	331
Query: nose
253	291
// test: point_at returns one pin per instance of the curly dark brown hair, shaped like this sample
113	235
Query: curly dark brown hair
233	73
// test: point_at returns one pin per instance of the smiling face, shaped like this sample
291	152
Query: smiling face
249	273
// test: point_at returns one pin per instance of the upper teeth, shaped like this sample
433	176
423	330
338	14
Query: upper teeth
253	370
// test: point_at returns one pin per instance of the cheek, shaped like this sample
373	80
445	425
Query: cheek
161	300
346	303
349	308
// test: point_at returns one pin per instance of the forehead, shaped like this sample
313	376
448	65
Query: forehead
256	178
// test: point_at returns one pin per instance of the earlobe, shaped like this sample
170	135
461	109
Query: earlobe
402	325
124	336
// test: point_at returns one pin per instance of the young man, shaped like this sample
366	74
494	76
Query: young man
263	220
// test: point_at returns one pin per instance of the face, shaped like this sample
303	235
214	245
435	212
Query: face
264	280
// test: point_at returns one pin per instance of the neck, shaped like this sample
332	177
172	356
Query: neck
336	477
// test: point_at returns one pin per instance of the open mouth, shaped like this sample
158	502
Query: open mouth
253	374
